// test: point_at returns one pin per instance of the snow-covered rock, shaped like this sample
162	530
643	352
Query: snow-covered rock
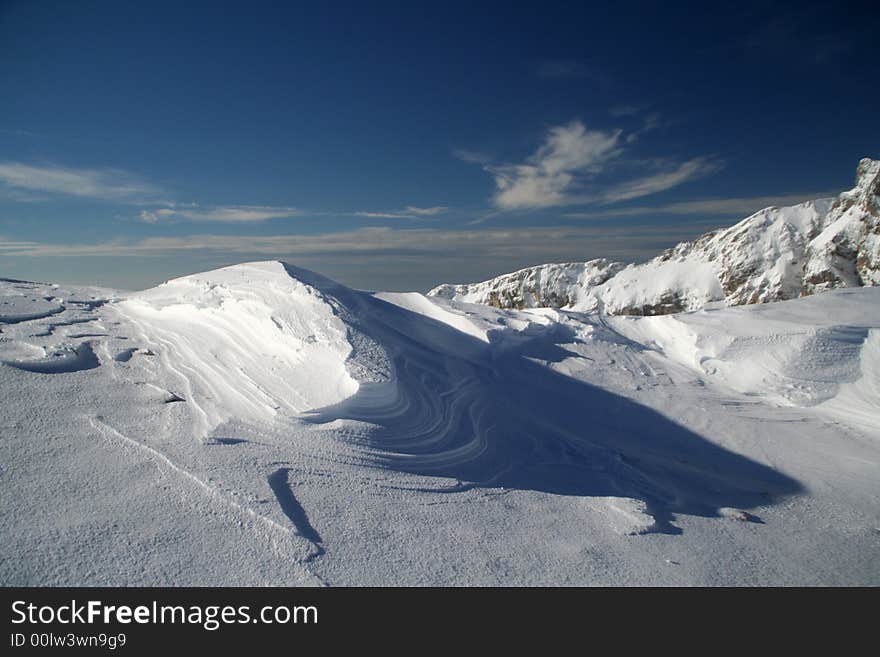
847	251
775	254
553	285
758	260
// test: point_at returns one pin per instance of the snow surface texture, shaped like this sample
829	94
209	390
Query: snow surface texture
776	254
263	425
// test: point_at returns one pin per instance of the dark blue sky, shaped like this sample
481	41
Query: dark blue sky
404	144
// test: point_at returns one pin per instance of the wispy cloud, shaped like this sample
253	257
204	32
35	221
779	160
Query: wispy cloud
220	214
563	171
471	157
29	183
659	182
541	244
426	212
409	212
741	206
155	216
650	120
624	110
11	247
23	195
548	177
100	184
381	215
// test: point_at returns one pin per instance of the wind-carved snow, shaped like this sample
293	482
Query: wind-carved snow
795	354
250	341
58	361
263	424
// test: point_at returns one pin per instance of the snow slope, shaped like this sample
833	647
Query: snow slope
796	354
261	424
775	254
250	341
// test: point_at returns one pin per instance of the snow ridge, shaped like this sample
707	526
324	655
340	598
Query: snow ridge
255	339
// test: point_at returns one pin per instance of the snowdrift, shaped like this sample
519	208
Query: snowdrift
810	352
263	424
252	340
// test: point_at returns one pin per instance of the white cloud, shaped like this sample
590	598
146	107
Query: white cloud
550	175
426	212
409	212
471	157
237	213
123	187
566	170
219	214
153	216
659	182
102	184
740	206
624	110
17	248
381	215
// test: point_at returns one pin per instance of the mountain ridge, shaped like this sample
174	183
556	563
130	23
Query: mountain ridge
774	254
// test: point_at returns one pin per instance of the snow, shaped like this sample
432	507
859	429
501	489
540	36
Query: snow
846	253
262	425
557	285
646	285
247	341
798	354
418	303
772	255
758	260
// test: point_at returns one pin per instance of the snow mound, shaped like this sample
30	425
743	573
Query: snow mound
252	340
796	353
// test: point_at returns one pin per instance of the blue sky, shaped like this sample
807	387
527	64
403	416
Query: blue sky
401	145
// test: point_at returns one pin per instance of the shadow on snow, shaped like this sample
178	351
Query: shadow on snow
486	415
